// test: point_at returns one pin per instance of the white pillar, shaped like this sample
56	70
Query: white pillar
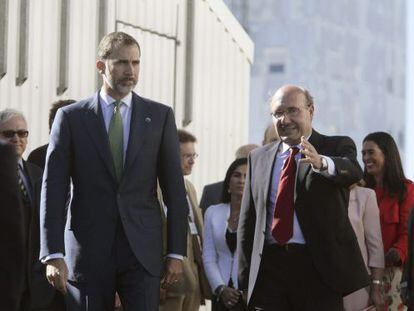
409	92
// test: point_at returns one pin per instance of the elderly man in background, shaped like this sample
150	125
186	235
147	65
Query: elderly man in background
192	290
38	294
12	238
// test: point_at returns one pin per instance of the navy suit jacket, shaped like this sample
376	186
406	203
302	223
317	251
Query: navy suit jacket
79	151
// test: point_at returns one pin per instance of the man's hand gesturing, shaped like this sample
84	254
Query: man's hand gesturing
311	155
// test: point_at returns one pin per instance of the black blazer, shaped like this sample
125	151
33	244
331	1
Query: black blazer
38	156
211	195
321	208
12	239
41	292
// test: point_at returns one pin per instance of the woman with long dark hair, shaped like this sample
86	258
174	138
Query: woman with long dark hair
220	240
383	172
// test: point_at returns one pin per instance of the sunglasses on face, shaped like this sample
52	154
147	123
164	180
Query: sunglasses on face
11	133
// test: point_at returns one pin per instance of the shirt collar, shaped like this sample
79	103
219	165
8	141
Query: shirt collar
20	163
108	100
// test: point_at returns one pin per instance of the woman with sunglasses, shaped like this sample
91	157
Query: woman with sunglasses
383	172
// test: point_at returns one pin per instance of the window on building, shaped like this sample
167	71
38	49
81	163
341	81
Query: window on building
276	68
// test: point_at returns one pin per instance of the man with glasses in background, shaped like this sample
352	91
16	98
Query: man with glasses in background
38	294
193	288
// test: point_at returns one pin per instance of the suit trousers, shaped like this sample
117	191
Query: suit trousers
137	288
288	281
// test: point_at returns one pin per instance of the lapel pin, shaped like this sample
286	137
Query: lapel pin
147	119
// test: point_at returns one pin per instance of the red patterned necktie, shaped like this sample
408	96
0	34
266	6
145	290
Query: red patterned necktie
282	227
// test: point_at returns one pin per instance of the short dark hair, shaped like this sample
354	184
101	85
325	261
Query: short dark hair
394	178
55	106
113	41
186	137
225	195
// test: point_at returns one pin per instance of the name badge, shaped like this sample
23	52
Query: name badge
193	228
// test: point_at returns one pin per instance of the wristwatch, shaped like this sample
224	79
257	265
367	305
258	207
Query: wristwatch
324	165
376	282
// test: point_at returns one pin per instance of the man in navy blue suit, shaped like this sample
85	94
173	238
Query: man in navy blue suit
113	147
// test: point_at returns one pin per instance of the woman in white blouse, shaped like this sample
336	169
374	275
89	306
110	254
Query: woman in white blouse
219	249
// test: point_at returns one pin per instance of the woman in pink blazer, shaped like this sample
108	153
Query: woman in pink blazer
363	213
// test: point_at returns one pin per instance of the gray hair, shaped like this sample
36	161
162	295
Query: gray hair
9	113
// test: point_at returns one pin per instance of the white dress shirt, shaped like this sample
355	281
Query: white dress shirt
282	155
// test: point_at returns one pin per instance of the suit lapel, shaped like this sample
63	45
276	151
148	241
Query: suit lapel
301	172
32	180
304	168
140	122
269	159
95	126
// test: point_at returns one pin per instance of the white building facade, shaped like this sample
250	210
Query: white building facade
195	58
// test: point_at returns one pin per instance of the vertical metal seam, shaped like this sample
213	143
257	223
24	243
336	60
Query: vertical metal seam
4	20
102	29
23	43
188	79
63	57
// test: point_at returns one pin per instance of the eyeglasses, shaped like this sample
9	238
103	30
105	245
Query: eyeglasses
189	156
11	133
290	112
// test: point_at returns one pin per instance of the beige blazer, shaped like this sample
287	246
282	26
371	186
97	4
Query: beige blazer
363	213
193	273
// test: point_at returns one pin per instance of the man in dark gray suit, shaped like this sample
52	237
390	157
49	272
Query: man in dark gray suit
297	249
12	237
113	147
38	294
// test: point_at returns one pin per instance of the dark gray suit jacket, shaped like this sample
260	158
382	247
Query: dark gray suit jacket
12	238
42	294
79	150
212	194
321	208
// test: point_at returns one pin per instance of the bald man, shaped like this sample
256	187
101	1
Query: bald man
297	249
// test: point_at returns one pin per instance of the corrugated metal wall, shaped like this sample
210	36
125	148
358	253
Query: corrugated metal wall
209	94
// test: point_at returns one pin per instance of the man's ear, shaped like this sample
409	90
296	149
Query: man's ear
100	66
311	110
